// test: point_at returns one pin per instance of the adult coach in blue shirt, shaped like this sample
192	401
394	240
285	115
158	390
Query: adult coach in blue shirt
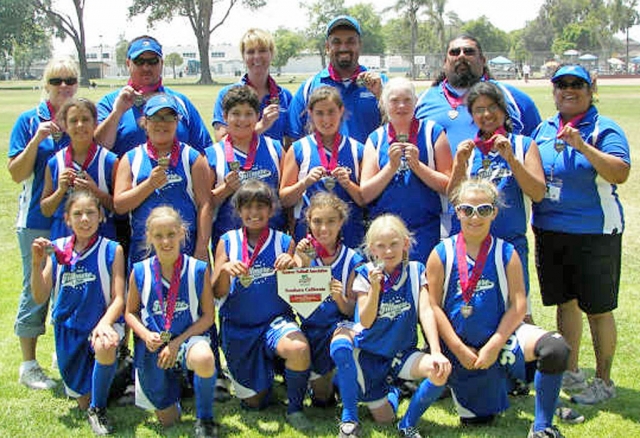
120	111
359	88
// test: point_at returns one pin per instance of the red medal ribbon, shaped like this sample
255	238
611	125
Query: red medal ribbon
172	295
65	256
572	123
389	280
175	152
264	234
321	251
146	89
328	165
251	155
413	132
68	157
486	145
333	74
52	112
454	101
468	285
273	87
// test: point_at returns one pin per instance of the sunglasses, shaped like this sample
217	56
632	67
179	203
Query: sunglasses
139	61
59	81
468	51
575	85
482	210
480	110
163	118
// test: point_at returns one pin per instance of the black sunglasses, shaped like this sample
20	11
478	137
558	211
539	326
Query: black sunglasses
468	51
59	81
575	85
139	61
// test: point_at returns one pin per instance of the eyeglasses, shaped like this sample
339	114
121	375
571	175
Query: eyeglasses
480	110
58	81
139	61
482	210
163	118
468	51
575	85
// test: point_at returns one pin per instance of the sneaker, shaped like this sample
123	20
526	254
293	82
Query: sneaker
35	378
549	432
409	432
299	421
574	381
97	418
221	392
349	429
597	392
568	415
205	429
518	388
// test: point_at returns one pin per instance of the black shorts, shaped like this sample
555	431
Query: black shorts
585	267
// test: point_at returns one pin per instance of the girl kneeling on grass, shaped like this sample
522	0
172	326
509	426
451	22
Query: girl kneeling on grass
86	275
257	325
170	309
391	297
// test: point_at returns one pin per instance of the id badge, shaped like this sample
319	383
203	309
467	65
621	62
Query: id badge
554	190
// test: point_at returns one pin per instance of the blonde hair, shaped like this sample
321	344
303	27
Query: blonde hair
162	212
398	83
386	222
326	199
476	184
58	67
257	38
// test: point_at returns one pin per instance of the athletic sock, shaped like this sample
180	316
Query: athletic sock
393	397
203	388
296	388
101	379
424	396
347	377
547	388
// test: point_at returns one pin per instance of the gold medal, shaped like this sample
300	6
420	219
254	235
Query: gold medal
57	135
234	166
361	81
486	163
559	146
329	182
246	280
163	161
275	101
402	138
466	310
311	252
165	336
453	114
139	101
49	249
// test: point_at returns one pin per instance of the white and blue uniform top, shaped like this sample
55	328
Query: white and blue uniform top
350	153
280	127
433	105
177	192
588	204
362	114
259	303
395	328
82	291
191	129
101	170
25	128
266	168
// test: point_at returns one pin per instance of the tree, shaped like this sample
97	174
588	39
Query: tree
121	52
319	14
492	38
173	59
199	13
65	26
288	44
372	39
624	15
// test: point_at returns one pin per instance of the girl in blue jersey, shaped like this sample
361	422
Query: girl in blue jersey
257	326
323	246
164	171
241	155
325	161
170	309
381	346
477	294
82	165
85	277
406	167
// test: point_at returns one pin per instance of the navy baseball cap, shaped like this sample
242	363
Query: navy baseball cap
160	101
572	70
138	47
343	21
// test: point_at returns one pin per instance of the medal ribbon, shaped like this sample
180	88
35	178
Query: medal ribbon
251	155
572	123
321	251
175	152
52	112
329	165
172	295
468	285
486	145
65	256
68	157
389	280
264	234
273	87
146	89
454	101
413	132
333	74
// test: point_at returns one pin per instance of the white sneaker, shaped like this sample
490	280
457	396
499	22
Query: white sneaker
574	381
35	378
597	392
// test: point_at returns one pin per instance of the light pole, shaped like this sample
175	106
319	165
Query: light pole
100	59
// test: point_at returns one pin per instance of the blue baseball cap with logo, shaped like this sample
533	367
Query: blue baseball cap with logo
138	47
160	101
343	21
572	70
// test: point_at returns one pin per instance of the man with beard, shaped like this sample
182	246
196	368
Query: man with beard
359	88
444	102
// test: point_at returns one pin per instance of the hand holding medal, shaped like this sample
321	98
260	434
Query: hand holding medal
306	251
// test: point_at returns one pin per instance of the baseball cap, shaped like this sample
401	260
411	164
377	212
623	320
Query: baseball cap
572	70
138	47
158	102
343	21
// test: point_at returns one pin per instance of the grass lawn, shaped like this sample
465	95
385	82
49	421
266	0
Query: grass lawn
25	413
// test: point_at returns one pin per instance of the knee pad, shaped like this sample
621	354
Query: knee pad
552	352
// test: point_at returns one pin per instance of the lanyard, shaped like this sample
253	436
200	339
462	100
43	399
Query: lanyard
172	295
468	285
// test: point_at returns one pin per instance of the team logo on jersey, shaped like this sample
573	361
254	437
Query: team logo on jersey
77	278
394	308
258	272
254	174
367	95
494	172
482	286
181	306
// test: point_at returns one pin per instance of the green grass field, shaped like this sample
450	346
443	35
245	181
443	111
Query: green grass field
25	413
